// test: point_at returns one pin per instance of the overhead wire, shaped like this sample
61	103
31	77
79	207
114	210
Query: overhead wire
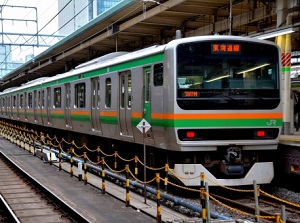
127	14
27	41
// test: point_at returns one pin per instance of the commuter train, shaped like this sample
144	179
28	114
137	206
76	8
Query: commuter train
208	104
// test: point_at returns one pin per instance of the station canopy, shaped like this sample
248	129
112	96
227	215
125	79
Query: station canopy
136	24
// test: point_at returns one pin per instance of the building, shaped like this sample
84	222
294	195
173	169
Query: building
75	14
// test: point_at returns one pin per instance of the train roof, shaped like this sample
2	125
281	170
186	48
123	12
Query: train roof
101	62
101	59
120	57
218	37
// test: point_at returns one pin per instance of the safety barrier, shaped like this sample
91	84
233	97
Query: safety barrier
30	140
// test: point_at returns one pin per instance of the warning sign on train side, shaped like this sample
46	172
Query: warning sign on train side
143	125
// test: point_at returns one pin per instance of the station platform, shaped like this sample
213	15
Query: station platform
88	199
291	140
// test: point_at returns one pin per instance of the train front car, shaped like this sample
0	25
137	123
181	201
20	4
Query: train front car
226	115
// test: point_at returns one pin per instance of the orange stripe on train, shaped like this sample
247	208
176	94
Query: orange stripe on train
80	112
108	113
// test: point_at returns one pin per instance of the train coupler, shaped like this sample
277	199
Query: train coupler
231	169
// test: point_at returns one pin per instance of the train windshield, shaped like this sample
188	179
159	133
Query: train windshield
227	75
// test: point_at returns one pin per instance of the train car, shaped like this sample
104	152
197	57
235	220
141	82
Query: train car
213	104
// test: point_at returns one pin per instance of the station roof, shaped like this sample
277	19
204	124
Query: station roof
136	24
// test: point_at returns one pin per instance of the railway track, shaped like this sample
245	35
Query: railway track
29	200
268	208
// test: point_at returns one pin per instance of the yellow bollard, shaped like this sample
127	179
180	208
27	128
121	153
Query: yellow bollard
166	177
103	175
127	186
136	166
85	168
50	162
59	158
116	162
98	154
202	196
277	218
71	161
158	199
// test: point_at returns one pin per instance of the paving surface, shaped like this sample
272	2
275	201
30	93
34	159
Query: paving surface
88	199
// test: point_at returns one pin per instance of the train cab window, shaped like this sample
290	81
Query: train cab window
80	95
108	93
57	97
30	100
21	101
158	74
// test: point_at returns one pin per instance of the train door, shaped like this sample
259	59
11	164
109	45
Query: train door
125	85
48	106
8	111
147	100
39	107
95	112
68	105
35	105
18	106
25	106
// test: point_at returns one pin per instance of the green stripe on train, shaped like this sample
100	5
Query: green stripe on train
58	116
216	123
109	120
81	118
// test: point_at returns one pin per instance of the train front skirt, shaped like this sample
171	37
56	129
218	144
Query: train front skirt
189	175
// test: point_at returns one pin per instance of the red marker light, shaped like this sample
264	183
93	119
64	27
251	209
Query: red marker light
261	133
190	134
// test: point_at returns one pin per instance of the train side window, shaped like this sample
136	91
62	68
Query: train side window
8	102
158	74
14	101
30	100
129	86
122	93
80	95
39	99
4	106
96	93
57	97
43	98
35	100
108	93
21	101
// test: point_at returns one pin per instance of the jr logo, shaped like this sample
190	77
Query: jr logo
271	122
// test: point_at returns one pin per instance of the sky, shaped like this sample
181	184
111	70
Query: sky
44	14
